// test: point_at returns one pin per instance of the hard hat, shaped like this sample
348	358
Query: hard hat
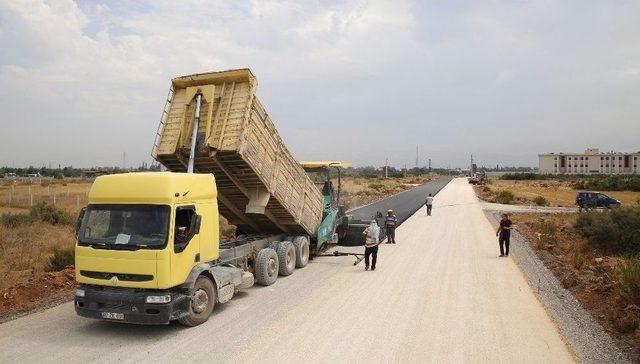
389	210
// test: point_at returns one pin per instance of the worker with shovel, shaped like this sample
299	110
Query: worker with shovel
372	235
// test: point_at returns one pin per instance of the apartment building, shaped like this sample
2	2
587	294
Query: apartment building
592	161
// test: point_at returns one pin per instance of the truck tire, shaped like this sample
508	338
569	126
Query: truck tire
287	258
302	251
203	298
274	245
266	267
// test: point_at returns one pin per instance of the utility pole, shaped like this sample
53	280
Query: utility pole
417	159
429	164
124	160
386	168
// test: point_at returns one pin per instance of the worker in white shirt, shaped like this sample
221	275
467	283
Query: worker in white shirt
429	204
372	239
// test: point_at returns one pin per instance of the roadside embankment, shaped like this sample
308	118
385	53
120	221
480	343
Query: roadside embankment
586	337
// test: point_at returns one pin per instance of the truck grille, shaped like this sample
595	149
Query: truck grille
120	306
121	276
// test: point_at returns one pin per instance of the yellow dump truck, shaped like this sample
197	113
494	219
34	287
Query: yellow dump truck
148	247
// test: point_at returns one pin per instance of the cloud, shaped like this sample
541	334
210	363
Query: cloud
81	83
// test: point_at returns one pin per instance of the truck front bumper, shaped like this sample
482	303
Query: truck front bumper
129	306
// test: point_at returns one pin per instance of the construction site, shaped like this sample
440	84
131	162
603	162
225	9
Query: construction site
316	187
234	211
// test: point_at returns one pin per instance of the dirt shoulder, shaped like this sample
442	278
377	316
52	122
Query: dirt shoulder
588	274
43	291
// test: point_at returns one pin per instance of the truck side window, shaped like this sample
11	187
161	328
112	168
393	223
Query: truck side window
183	222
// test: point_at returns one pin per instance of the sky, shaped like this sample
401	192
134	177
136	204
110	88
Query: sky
83	82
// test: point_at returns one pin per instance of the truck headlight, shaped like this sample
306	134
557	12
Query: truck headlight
79	292
165	298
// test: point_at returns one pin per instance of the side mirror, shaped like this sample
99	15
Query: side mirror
79	221
194	227
180	244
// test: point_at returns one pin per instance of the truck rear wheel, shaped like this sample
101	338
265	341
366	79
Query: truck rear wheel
203	298
302	251
266	267
287	258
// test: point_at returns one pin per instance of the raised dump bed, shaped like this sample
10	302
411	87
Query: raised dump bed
261	188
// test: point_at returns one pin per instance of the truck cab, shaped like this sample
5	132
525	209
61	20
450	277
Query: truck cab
143	233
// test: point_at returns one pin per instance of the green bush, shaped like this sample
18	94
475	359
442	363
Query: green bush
15	220
60	259
506	197
629	281
616	231
540	201
51	214
522	176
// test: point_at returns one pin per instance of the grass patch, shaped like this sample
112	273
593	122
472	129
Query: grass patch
629	280
576	257
547	234
12	221
376	186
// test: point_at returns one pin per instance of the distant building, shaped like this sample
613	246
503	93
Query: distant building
592	161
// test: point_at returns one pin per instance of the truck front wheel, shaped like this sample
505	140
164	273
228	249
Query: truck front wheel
266	267
203	298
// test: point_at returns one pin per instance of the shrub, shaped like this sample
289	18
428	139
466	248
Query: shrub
629	281
376	186
521	176
51	214
615	231
15	220
506	197
540	201
44	183
609	183
60	259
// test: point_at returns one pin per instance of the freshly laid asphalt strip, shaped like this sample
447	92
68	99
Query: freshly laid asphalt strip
403	204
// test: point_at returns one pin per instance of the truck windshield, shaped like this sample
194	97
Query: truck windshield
125	226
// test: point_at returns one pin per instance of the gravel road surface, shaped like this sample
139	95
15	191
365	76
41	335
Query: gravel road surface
440	295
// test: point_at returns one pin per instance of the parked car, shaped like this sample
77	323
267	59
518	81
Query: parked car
591	199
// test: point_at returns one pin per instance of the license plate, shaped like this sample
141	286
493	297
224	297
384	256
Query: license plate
113	316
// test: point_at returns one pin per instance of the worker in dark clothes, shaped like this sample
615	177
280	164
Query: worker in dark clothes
372	239
390	224
504	235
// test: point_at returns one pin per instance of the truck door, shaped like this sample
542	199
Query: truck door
186	243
